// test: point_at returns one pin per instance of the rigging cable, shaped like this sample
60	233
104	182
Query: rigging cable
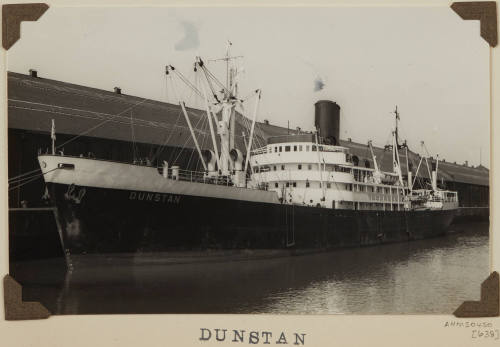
102	123
32	179
188	83
134	147
24	174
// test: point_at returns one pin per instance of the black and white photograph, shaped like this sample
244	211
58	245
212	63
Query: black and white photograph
249	160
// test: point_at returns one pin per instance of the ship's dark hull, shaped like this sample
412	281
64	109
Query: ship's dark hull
95	220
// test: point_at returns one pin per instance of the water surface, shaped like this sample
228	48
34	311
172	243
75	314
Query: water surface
429	276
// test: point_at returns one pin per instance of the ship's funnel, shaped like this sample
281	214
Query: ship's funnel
327	121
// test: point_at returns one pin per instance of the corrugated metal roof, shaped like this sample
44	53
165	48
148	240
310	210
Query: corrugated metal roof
33	102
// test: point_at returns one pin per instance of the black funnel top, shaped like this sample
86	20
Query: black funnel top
327	121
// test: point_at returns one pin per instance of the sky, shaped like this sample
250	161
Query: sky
426	60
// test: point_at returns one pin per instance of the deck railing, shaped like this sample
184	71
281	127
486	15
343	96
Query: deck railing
196	176
261	150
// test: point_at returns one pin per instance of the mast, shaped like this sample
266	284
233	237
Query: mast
220	103
231	91
395	148
53	136
396	116
395	158
226	122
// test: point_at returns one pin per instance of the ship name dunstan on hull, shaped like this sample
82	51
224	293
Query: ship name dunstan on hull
298	191
154	197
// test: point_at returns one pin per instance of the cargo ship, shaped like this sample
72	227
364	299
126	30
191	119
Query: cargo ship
301	191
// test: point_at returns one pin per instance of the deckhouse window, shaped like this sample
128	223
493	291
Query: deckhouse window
300	166
295	148
328	185
280	148
282	167
275	149
314	148
287	148
300	148
274	167
307	148
294	184
309	166
287	184
276	185
307	184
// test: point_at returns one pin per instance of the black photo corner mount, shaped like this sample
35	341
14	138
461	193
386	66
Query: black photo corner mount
485	12
15	307
489	304
13	15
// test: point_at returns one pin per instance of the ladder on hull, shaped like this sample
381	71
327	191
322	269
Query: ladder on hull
290	225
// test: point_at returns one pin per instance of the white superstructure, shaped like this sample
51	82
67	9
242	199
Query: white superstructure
303	172
306	173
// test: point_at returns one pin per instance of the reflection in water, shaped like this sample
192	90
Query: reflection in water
430	276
